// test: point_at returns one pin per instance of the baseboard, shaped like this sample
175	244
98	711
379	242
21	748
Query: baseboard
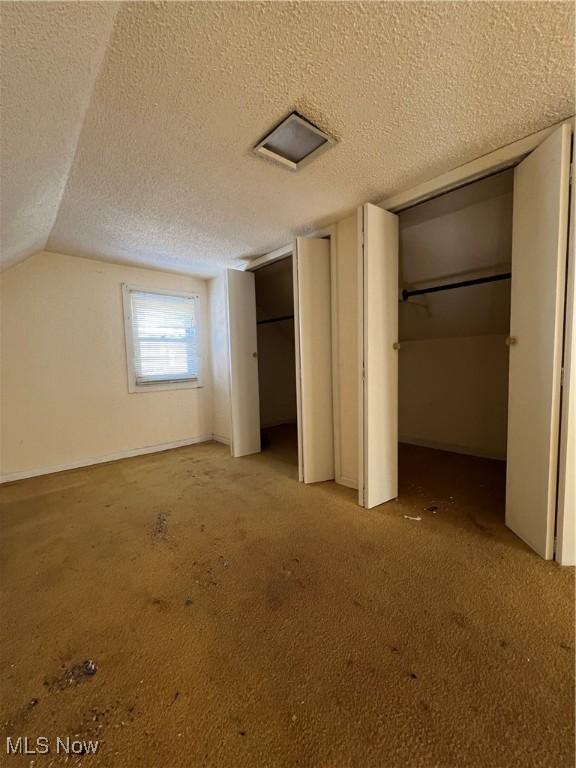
221	439
88	462
348	482
281	423
450	448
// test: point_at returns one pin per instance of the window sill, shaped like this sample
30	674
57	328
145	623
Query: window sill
159	386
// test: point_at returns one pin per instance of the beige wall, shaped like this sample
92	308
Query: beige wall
453	394
220	359
345	285
65	398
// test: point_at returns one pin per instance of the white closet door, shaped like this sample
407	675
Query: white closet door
312	309
540	227
244	399
378	470
566	520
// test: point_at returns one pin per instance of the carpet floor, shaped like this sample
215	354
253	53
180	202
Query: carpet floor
188	609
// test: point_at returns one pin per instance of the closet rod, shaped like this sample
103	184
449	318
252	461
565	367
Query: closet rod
462	284
275	319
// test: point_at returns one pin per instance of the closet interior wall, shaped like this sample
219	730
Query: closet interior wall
276	353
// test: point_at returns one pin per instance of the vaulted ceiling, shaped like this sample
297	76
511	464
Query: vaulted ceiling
127	128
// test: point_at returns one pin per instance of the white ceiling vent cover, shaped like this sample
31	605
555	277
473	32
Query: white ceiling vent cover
294	142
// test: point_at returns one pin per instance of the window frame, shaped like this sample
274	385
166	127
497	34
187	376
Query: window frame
155	386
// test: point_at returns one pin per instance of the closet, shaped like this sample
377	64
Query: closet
454	325
454	319
462	288
280	357
276	357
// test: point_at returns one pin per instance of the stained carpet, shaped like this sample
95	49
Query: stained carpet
235	617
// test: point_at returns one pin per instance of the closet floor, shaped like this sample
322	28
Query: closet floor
236	617
464	490
281	442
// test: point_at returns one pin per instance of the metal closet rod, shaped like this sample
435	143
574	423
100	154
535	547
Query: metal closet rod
461	284
275	319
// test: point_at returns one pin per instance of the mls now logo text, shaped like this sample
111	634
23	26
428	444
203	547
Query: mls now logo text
42	745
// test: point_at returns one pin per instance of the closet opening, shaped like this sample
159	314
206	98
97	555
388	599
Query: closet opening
454	325
274	287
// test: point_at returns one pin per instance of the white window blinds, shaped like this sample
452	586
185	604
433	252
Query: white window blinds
164	337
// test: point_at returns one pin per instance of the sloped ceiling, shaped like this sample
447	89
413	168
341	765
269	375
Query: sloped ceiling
50	55
161	173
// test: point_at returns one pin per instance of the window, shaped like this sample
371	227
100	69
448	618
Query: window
161	339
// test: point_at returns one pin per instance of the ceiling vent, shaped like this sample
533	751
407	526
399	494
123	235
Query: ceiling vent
294	142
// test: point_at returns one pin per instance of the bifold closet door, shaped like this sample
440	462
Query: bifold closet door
539	242
312	311
378	300
244	399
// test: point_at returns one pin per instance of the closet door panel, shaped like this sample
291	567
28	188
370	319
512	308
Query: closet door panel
378	449
314	359
539	242
244	400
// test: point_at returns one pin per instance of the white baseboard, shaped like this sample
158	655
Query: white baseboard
451	448
348	482
221	439
88	462
280	423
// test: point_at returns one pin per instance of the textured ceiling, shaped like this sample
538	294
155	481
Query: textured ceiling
162	173
50	54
